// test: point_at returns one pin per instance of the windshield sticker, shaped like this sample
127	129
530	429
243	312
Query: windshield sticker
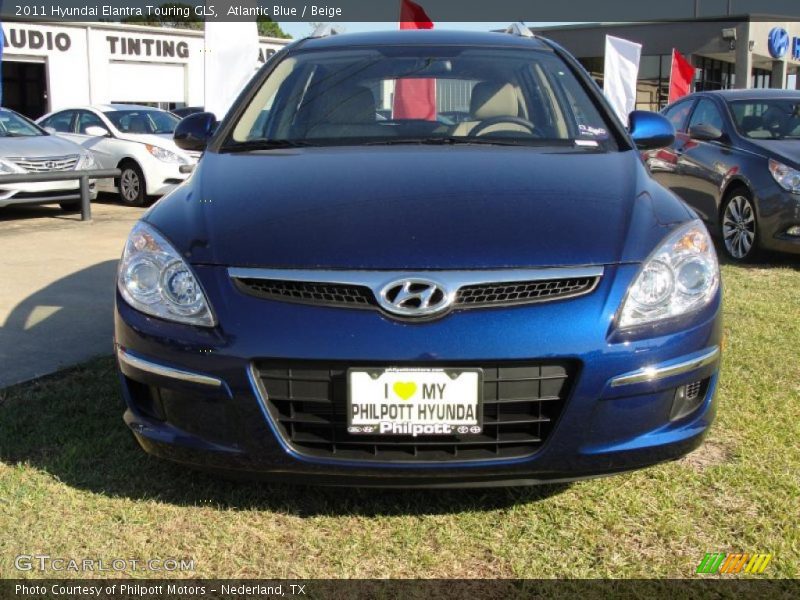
595	132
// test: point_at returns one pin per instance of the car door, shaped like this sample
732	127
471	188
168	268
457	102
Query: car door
663	162
61	124
704	164
102	147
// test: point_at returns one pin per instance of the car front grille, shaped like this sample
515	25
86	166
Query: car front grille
524	292
307	403
44	165
483	295
309	292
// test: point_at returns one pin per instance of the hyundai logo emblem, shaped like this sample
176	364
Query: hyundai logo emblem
50	165
415	297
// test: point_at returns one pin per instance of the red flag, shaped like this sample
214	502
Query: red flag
680	78
414	98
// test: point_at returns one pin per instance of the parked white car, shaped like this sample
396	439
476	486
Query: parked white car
27	148
136	139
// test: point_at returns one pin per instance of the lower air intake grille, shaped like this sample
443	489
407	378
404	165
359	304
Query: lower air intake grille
307	402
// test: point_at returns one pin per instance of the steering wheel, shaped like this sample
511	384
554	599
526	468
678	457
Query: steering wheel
486	123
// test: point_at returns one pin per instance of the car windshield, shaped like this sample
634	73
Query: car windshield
143	121
12	125
773	119
414	94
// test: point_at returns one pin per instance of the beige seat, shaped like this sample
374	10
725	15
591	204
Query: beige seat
344	111
492	99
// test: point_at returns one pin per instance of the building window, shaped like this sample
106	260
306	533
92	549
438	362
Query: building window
712	74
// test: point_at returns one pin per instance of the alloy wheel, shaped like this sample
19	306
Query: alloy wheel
129	183
739	227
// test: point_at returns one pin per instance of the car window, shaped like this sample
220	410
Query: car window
767	119
706	113
61	122
422	94
143	121
677	114
14	125
88	119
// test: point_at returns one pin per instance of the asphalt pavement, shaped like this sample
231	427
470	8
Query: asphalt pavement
57	277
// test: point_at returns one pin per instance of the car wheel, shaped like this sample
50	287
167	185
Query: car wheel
739	227
70	207
131	185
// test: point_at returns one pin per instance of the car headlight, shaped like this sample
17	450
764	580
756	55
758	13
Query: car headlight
787	177
681	276
165	155
9	167
153	278
86	162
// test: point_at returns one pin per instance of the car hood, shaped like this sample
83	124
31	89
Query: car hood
164	140
786	150
408	207
37	146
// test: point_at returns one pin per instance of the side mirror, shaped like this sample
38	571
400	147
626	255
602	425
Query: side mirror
650	130
704	132
193	132
51	130
97	131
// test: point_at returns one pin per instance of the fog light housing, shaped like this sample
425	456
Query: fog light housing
793	231
688	398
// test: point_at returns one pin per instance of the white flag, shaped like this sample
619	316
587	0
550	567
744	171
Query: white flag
231	57
620	74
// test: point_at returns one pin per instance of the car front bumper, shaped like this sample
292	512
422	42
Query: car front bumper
45	192
163	177
616	416
778	211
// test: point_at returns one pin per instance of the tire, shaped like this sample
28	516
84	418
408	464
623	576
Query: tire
739	226
70	207
131	185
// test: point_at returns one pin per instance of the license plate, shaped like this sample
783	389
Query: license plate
414	401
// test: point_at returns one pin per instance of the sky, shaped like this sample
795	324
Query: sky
297	30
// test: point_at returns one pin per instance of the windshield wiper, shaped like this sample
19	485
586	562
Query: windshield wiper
447	141
264	145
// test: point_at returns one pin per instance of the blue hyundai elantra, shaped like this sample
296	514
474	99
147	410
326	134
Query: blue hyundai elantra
420	258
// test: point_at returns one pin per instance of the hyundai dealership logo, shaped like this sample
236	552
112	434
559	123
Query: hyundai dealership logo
778	42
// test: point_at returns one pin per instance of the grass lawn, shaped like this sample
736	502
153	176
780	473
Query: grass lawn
73	483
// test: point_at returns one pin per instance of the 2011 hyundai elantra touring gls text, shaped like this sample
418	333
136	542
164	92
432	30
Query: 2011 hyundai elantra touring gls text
420	259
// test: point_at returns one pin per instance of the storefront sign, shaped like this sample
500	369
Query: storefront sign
146	47
778	42
31	39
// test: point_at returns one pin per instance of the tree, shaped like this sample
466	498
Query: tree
175	12
270	28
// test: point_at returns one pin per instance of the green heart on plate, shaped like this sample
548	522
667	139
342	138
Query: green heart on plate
405	389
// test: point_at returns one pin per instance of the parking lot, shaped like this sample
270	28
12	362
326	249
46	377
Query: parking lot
56	294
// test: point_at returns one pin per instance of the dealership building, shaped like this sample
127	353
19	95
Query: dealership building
51	66
752	51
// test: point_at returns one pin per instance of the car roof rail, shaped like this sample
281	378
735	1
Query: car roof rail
520	29
326	30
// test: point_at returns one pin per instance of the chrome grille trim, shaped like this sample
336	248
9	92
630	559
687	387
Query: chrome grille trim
469	289
46	164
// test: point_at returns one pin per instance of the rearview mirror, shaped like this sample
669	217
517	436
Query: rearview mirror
704	132
194	132
650	130
96	131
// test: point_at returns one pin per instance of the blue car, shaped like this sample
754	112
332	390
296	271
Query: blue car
344	298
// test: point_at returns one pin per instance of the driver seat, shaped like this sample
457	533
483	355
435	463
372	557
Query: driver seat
492	99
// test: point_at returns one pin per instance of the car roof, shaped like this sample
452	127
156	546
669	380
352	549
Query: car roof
428	37
755	94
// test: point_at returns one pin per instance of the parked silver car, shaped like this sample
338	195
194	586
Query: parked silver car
137	140
27	148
